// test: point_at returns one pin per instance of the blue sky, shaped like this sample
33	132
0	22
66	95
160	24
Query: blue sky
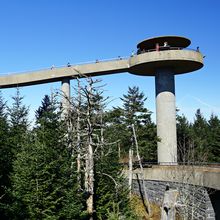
40	33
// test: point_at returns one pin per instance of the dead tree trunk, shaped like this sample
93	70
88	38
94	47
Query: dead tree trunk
119	150
89	154
168	210
142	172
90	184
78	127
101	132
89	137
130	171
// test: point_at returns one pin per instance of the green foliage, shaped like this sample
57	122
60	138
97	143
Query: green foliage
213	139
117	129
200	130
38	178
14	137
133	106
147	141
5	151
18	121
18	113
184	139
116	214
5	159
110	185
134	112
198	142
42	181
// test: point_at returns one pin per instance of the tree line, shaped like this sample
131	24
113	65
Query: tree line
198	141
70	166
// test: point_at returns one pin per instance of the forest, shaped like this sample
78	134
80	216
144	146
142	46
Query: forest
69	164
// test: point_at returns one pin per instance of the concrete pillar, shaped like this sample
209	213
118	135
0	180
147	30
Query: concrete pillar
166	117
65	95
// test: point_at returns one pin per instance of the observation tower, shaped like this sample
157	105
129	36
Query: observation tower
164	57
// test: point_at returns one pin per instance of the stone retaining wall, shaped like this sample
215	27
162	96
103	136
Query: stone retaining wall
193	200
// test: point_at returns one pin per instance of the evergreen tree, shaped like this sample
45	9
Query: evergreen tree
137	119
110	185
43	186
18	121
133	106
17	136
116	130
213	139
111	188
200	131
184	139
5	160
147	140
198	142
134	112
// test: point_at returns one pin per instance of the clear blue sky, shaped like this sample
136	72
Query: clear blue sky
39	33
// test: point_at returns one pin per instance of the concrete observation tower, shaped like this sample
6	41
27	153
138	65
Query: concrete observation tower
162	57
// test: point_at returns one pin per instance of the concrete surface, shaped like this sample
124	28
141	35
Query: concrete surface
173	41
166	116
144	64
180	61
58	74
201	176
65	88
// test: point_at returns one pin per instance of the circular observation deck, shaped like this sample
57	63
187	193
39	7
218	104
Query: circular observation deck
163	41
165	52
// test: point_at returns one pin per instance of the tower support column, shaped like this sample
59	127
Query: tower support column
65	95
166	116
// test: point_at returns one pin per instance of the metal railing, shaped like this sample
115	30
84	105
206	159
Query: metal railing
67	65
162	48
196	164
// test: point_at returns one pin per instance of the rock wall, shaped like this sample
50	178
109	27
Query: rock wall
193	201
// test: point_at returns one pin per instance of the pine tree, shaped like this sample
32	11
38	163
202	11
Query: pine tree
42	183
184	139
18	135
110	186
134	112
213	139
200	131
5	160
116	130
18	121
139	132
133	106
